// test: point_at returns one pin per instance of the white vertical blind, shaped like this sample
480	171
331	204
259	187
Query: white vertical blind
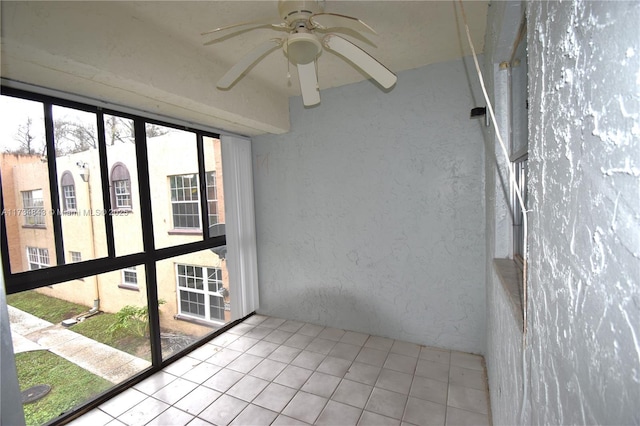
242	262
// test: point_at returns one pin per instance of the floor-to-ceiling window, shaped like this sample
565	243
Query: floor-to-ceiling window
111	245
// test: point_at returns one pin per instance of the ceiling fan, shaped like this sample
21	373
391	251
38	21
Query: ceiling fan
308	29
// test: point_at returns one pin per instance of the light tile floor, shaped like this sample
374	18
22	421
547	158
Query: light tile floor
269	371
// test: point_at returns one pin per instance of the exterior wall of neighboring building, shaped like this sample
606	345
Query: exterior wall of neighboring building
84	230
14	222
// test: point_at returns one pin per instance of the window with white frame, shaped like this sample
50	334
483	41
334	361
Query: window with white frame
38	258
120	187
33	205
69	204
200	292
130	276
76	256
185	201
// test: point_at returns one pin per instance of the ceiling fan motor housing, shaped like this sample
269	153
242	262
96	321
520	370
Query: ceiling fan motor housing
296	10
302	48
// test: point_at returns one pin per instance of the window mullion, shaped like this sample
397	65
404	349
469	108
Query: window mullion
202	187
104	181
53	183
148	240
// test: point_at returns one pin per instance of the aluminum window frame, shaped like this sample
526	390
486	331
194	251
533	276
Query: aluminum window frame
148	257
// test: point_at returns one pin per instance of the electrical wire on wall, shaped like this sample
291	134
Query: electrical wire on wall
512	181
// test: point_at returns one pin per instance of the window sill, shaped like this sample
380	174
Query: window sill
198	321
185	232
34	226
511	278
129	287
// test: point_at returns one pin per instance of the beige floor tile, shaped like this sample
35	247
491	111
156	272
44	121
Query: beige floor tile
175	390
474	379
387	403
322	346
172	416
247	388
405	348
424	413
363	373
268	369
305	406
372	419
466	360
433	370
334	366
293	376
429	389
223	380
394	381
275	397
255	416
331	334
353	338
336	413
143	412
321	384
197	400
307	359
372	356
468	399
380	343
223	410
291	326
352	393
402	363
457	417
435	354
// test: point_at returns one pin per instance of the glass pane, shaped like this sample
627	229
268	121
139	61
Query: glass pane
79	183
123	177
215	194
175	194
194	294
79	338
25	188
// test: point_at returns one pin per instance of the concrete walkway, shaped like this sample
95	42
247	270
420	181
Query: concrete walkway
31	333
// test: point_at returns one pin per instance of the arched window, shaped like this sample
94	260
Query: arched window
68	192
120	187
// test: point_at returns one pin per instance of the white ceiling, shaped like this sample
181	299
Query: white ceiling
149	55
410	34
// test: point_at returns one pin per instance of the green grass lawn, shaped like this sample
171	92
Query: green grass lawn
96	327
45	307
70	384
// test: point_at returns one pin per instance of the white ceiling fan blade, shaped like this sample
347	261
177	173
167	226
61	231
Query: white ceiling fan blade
360	58
325	21
247	61
309	84
223	33
257	22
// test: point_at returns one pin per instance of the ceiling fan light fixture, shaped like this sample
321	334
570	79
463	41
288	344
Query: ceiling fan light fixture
302	48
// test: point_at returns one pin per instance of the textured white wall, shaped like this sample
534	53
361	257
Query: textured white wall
370	212
583	351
